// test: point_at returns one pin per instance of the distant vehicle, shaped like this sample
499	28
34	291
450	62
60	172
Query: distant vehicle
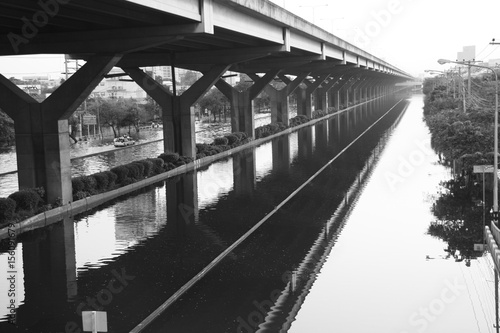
123	141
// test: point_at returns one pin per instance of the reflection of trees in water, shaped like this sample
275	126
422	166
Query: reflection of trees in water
459	221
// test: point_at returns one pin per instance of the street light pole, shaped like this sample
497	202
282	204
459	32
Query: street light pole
495	157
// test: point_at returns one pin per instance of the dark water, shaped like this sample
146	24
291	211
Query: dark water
128	257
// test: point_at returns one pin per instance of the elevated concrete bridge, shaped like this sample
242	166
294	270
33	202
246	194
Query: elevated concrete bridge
254	37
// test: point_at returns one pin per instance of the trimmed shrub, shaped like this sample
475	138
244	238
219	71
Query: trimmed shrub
148	167
186	159
200	155
232	139
121	173
135	170
25	200
241	135
169	166
202	147
112	177
77	184
7	209
102	180
301	119
169	157
223	141
90	184
40	191
79	195
157	165
318	114
128	181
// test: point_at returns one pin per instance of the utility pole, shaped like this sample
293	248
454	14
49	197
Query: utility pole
461	81
468	82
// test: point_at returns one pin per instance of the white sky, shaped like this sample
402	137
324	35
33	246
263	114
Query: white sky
409	34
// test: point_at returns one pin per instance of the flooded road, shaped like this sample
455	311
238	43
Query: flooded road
109	156
348	252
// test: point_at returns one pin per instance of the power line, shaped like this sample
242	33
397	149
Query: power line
484	48
496	48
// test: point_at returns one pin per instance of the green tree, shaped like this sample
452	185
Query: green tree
214	101
134	115
112	112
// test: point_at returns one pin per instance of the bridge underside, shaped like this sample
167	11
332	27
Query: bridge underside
210	36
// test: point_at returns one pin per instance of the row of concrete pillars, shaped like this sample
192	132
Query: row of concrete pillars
41	129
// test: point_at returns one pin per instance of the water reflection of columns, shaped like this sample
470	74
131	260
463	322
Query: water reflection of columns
306	143
321	130
49	273
281	153
244	172
334	129
182	203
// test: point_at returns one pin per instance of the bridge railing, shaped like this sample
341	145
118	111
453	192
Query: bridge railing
492	235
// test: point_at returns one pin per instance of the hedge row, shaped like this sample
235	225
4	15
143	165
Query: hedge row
84	186
221	144
269	129
22	204
301	119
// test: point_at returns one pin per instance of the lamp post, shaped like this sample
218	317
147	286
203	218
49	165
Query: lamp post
495	157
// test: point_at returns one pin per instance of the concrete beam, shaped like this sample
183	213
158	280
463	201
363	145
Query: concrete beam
71	94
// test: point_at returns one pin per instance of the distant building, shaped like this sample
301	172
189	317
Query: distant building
117	88
31	89
468	53
494	62
39	78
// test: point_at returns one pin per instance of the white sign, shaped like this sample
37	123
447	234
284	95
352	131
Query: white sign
94	321
483	168
479	247
89	120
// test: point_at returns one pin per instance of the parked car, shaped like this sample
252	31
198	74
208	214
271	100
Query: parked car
123	141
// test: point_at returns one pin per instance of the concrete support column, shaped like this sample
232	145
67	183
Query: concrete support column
280	98
323	93
42	134
301	96
242	115
311	88
178	114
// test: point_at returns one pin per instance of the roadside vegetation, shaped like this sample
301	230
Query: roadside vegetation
462	139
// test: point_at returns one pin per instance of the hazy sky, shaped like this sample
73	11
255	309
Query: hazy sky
410	34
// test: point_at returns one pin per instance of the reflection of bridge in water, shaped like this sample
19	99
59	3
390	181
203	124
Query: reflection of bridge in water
156	240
